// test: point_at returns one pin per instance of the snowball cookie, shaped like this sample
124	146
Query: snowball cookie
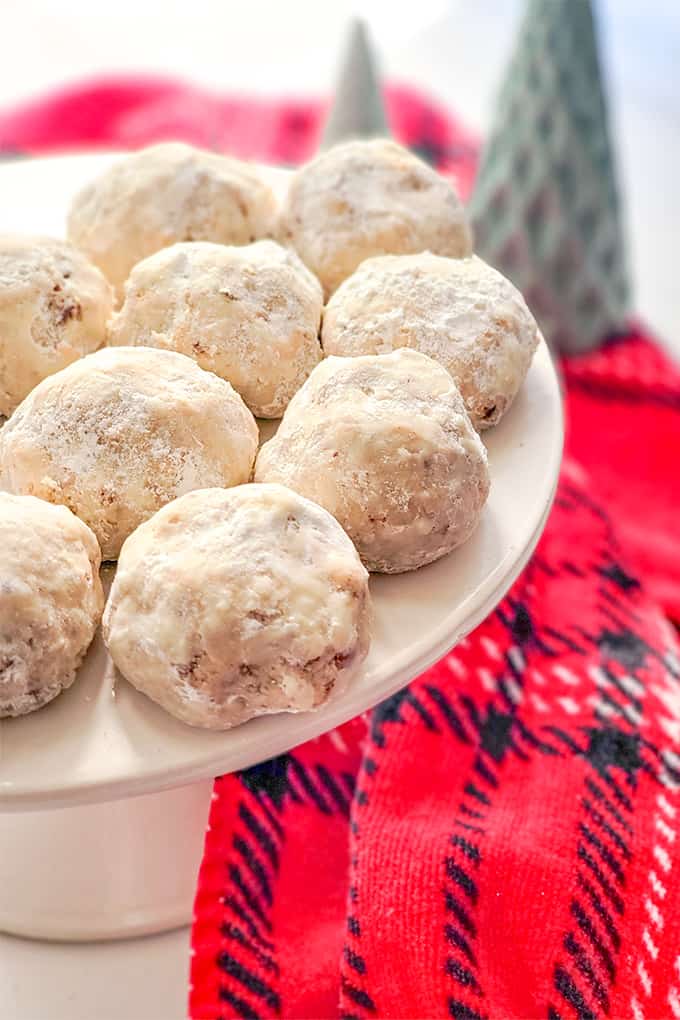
461	312
367	198
233	603
51	600
54	306
123	431
385	445
250	315
164	194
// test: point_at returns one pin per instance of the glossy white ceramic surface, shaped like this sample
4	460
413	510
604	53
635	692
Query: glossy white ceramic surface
102	740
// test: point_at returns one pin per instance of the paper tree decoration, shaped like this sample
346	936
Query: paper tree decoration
357	110
545	205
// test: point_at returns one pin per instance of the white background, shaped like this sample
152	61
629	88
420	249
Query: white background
456	50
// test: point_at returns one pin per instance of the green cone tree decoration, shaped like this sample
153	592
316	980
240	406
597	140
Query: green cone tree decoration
358	110
545	205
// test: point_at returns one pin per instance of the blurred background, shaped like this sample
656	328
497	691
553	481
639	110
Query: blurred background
453	50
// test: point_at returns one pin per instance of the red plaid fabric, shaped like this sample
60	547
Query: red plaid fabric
501	839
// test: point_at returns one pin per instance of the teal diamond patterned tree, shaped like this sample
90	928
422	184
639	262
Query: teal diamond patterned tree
545	205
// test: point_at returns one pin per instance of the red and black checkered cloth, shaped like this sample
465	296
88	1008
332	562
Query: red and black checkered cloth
502	838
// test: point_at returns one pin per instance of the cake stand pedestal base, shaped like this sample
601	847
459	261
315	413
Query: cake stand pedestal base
103	871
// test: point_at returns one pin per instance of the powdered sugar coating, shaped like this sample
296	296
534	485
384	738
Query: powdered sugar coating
461	312
366	198
163	194
250	314
386	446
122	432
51	600
54	306
228	604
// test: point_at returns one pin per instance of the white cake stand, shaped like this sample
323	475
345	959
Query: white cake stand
104	797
